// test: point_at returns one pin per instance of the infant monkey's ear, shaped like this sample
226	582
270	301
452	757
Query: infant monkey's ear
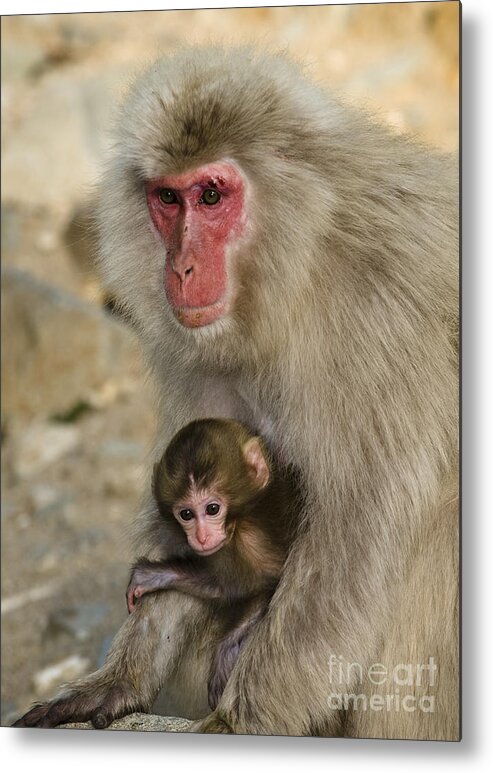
255	457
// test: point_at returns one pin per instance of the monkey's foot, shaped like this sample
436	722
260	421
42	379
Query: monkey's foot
212	723
98	706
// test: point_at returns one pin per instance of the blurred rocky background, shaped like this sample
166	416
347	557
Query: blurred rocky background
77	415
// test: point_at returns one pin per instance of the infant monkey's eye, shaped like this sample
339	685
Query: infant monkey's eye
186	515
212	509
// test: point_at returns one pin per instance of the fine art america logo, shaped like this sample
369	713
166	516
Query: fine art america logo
404	687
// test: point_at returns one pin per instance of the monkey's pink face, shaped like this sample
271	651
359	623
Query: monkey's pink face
202	517
199	216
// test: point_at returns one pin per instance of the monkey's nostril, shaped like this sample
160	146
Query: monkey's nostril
188	270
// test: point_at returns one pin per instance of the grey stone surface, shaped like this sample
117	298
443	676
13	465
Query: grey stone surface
43	445
64	119
49	678
146	722
79	621
56	349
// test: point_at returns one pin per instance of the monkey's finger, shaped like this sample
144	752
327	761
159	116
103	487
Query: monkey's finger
52	714
101	719
103	716
133	595
72	709
32	717
116	705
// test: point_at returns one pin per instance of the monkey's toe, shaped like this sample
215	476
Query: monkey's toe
101	719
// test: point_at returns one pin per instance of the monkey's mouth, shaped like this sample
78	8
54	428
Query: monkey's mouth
210	551
190	316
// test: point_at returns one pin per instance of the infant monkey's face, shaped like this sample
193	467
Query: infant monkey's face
202	516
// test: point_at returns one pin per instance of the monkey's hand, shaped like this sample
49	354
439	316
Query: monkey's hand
146	578
212	723
99	705
133	594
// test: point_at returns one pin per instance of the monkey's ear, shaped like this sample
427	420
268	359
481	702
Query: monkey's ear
255	458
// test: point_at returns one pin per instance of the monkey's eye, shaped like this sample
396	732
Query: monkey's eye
212	509
186	515
210	196
167	196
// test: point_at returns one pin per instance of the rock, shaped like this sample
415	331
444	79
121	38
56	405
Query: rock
46	499
90	537
20	59
124	480
58	351
52	676
8	509
12	222
64	119
42	445
148	722
32	241
13	603
103	650
122	449
78	621
123	477
43	496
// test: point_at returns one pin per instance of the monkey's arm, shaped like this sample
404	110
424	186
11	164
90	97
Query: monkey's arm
187	576
230	646
144	652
